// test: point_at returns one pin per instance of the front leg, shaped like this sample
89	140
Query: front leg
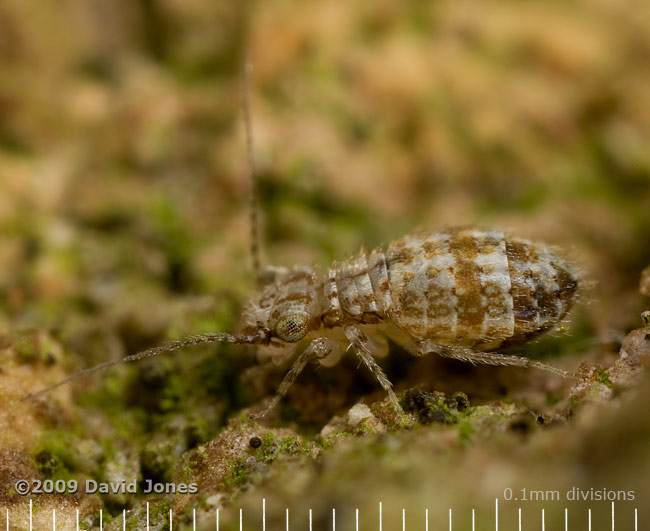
361	342
427	346
319	348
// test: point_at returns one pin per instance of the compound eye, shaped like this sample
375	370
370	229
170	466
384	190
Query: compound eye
292	328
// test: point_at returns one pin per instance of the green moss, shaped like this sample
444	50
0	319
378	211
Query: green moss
465	429
367	426
273	446
243	418
603	378
24	347
575	403
57	455
187	471
268	439
160	510
192	462
481	411
133	524
435	406
598	389
176	243
46	463
291	445
239	473
332	438
158	516
159	455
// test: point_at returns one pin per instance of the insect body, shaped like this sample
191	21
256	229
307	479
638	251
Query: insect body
461	292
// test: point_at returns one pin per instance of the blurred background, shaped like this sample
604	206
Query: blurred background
122	149
124	191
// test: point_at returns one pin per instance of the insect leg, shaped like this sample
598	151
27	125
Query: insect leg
487	358
318	348
360	342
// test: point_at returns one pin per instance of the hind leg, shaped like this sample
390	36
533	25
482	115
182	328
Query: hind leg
487	358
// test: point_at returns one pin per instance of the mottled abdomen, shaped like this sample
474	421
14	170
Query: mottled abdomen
475	288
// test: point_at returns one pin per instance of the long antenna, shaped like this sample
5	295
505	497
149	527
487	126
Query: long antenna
247	67
155	351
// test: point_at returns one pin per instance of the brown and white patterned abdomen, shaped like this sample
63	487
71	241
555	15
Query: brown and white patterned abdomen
467	287
476	288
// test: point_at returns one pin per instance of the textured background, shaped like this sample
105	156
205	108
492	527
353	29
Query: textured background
124	222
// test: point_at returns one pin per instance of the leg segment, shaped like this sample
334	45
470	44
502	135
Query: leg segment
487	358
361	343
318	348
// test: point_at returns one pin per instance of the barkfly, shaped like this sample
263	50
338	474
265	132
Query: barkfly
460	292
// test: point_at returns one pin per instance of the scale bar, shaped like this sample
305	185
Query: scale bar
566	519
264	527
